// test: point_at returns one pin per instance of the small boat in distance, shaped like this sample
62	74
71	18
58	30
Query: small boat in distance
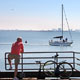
61	41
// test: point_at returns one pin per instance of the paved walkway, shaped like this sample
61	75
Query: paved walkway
37	79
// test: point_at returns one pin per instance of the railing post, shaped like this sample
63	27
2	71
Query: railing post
74	59
22	62
57	57
5	60
22	74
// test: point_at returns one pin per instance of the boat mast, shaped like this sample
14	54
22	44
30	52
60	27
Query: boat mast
62	20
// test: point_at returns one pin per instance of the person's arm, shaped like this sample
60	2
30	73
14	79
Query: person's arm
22	48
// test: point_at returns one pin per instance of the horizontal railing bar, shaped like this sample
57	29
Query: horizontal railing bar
49	52
52	52
25	63
77	64
44	57
26	69
37	69
41	57
77	52
33	63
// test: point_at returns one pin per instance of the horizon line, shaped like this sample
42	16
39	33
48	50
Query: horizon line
37	30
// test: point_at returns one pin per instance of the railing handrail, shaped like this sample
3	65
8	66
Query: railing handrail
49	52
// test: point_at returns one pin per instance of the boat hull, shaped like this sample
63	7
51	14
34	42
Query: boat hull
60	43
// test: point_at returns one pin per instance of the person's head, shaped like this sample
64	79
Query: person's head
19	39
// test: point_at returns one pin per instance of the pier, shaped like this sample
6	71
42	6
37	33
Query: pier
30	66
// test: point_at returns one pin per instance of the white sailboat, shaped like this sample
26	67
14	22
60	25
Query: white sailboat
61	41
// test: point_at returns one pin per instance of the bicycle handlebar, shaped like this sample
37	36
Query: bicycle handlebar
55	56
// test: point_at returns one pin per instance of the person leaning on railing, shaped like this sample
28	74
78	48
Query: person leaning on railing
16	49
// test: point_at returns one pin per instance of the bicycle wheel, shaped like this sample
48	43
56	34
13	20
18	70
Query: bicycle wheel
65	69
49	68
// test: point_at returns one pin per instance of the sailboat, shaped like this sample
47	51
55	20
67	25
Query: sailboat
61	41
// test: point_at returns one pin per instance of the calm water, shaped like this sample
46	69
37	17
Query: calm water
37	41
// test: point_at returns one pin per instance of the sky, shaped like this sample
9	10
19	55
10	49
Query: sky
38	14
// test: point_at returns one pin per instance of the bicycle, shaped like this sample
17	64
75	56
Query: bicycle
53	68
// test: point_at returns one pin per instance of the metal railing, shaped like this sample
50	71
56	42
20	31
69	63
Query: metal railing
28	59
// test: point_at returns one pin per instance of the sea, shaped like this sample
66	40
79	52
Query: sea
36	41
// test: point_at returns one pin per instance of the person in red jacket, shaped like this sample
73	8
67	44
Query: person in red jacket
16	49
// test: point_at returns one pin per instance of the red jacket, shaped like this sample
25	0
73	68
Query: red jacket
17	48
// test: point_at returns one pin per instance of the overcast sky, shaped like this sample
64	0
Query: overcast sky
38	14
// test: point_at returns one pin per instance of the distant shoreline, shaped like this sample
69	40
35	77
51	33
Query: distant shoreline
42	30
